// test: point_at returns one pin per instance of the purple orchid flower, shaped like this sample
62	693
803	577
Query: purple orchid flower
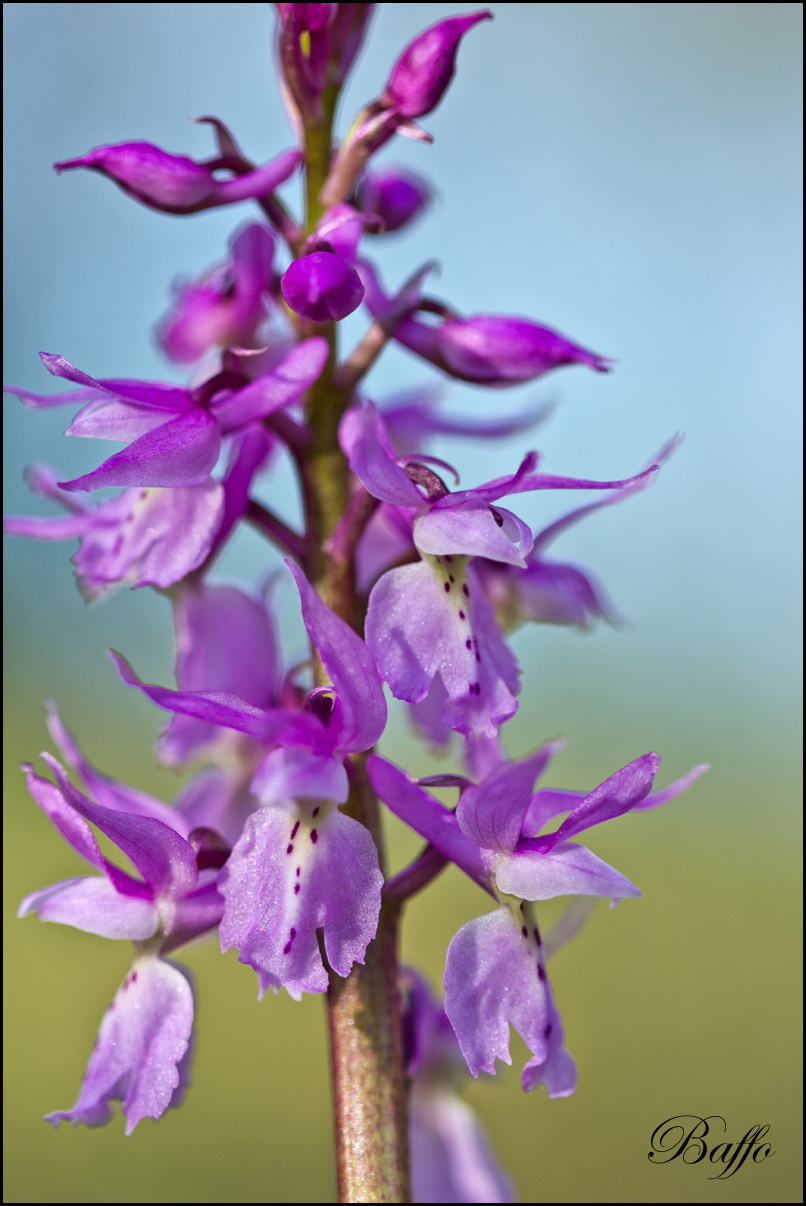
411	419
300	865
144	537
495	973
431	619
176	433
485	349
175	184
451	1158
395	194
143	1050
227	306
152	536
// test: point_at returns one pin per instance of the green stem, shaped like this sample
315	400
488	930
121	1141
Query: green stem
369	1082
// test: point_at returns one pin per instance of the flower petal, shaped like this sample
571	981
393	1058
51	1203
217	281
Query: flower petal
550	802
469	528
291	773
494	979
142	1049
283	385
181	452
432	618
70	824
368	446
146	393
225	641
349	663
285	879
491	813
40	527
531	873
224	708
451	1157
427	817
115	419
110	793
95	906
656	798
165	860
618	794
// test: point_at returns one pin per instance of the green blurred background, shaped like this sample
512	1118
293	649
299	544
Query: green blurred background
627	173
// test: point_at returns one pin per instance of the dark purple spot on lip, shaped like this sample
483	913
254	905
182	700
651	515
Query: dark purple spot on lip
298	871
289	848
294	831
448	559
548	1030
538	939
451	578
315	811
465	590
468	643
524	931
314	836
447	586
478	656
461	614
134	977
291	936
541	973
296	889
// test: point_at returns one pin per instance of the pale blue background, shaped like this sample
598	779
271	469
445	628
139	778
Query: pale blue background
627	173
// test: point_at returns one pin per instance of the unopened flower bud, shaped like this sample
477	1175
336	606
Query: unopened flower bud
396	195
177	184
153	176
421	75
497	349
322	286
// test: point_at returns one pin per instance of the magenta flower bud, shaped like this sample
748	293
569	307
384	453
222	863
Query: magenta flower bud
485	349
176	184
421	75
162	180
396	195
322	286
498	349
